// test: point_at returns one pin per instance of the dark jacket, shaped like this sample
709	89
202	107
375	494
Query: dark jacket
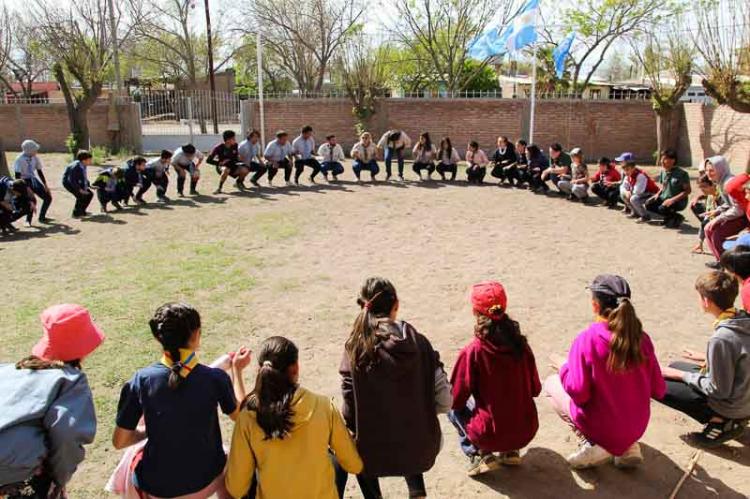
390	406
132	175
75	176
503	388
506	158
221	155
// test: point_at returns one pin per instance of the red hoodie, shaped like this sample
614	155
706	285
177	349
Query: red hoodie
735	187
503	388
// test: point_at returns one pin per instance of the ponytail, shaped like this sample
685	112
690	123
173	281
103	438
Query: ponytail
172	325
502	332
376	299
271	399
35	363
627	331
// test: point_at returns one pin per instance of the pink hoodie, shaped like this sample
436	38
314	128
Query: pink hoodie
611	409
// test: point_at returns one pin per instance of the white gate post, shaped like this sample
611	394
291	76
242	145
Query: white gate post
190	118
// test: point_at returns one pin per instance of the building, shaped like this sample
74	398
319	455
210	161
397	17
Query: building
520	87
41	92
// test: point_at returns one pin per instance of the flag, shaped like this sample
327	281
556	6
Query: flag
561	53
495	40
522	32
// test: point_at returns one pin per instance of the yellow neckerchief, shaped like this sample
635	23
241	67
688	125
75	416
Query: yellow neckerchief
726	314
599	318
188	358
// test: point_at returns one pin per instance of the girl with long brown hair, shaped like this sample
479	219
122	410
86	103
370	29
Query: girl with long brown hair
394	386
604	388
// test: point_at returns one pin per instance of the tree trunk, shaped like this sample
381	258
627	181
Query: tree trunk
667	128
4	170
80	127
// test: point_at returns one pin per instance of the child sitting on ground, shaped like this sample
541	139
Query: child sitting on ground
178	398
494	384
577	186
604	389
714	389
394	387
284	432
636	188
606	182
477	163
703	207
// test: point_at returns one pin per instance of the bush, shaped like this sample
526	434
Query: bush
73	144
100	155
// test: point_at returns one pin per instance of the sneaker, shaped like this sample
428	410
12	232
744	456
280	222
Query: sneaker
270	182
217	191
588	456
644	219
45	220
335	178
162	200
289	183
139	201
630	458
117	206
483	464
181	194
675	222
312	180
401	178
387	177
240	186
27	225
255	183
716	434
512	458
713	265
626	211
194	192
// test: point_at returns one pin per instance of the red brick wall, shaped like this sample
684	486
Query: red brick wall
600	127
48	125
710	130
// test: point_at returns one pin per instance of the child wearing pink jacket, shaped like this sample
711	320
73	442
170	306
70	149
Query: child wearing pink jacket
604	389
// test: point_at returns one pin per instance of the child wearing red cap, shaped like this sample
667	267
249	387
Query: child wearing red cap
494	384
737	262
604	389
47	410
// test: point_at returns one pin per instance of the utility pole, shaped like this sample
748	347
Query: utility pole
260	91
212	80
115	46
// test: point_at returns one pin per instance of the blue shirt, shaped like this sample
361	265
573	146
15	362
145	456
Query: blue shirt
304	147
276	152
249	152
184	452
27	166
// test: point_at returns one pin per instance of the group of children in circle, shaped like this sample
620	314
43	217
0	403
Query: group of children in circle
290	442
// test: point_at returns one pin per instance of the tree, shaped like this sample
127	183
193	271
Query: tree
363	71
440	32
667	63
723	32
304	34
27	61
275	77
5	43
77	37
599	24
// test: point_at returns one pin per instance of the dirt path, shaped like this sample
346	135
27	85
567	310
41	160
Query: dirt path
289	261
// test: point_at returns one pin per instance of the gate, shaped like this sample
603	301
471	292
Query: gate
171	118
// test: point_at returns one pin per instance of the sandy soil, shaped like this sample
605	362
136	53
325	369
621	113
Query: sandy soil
305	251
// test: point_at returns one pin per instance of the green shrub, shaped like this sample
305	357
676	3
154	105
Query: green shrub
100	154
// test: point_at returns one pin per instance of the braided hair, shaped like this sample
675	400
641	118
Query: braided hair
172	325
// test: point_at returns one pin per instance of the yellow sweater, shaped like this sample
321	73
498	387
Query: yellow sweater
299	465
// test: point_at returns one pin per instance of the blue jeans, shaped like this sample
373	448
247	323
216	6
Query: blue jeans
389	153
460	419
371	166
331	166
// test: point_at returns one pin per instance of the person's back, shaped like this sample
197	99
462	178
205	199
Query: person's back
504	387
298	465
181	424
610	406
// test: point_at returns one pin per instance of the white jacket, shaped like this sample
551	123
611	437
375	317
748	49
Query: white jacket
331	154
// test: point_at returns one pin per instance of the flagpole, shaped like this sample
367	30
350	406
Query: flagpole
260	91
533	85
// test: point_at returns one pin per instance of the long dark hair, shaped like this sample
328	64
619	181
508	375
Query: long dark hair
502	332
35	363
376	300
172	325
627	331
271	399
427	146
445	148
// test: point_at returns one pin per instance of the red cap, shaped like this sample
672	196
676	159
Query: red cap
488	298
69	334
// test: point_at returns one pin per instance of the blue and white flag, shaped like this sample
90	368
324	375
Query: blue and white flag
561	53
522	32
498	40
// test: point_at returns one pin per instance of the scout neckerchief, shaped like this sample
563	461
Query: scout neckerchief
726	314
188	358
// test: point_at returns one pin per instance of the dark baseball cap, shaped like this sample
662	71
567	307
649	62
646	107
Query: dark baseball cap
610	285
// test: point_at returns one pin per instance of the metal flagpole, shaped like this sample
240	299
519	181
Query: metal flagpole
260	91
533	85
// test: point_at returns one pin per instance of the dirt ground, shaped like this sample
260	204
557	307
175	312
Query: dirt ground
289	262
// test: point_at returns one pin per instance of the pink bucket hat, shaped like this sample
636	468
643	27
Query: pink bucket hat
69	334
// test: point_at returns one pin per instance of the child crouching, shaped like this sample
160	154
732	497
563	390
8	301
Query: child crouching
494	383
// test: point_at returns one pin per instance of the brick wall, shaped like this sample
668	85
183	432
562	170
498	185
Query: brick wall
600	127
48	125
710	130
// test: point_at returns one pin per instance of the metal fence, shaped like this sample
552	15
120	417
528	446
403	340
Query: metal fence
186	112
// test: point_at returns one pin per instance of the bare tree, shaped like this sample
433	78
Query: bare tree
305	34
363	70
723	40
667	62
5	44
599	24
28	61
440	32
77	37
